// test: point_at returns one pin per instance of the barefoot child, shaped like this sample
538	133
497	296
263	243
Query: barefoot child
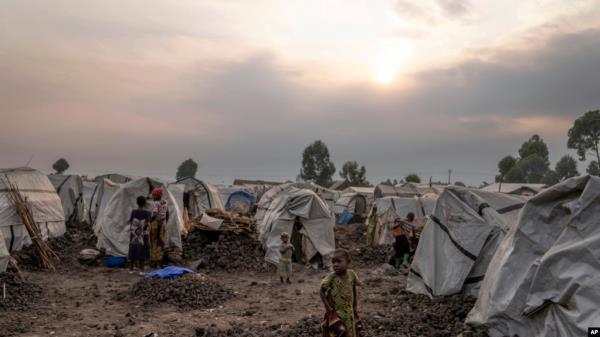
285	264
138	234
338	293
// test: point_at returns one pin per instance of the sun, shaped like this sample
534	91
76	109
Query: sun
391	55
385	73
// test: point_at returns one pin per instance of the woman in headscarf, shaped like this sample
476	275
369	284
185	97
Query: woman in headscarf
157	228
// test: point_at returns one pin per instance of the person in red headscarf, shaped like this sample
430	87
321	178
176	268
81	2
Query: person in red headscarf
157	228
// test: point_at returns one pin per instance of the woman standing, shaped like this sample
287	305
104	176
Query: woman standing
157	228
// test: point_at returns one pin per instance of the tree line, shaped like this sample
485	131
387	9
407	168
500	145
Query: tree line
532	165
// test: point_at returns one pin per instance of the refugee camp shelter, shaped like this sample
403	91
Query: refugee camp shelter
527	190
100	195
402	190
70	191
241	202
115	177
351	206
391	208
89	188
340	185
42	200
270	195
543	279
4	254
199	196
459	240
318	222
112	225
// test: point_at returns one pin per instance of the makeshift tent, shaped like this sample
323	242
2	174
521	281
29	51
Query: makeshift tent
240	202
89	190
70	191
459	240
199	196
390	208
543	279
403	190
317	220
4	255
100	196
115	177
42	200
112	227
351	205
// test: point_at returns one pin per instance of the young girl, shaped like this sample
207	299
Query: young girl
158	227
338	293
138	237
285	264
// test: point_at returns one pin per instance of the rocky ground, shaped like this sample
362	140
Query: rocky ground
101	302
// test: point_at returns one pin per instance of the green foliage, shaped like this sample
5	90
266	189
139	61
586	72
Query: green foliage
412	178
515	175
355	174
187	169
594	168
535	146
584	136
506	164
551	178
60	166
534	167
566	168
316	165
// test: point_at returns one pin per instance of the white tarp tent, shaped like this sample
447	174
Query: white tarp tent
112	227
199	196
100	197
43	201
4	254
352	202
543	280
89	190
318	222
390	208
459	240
70	191
115	177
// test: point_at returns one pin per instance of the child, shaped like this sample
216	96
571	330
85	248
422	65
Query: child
285	264
401	245
138	235
338	293
158	228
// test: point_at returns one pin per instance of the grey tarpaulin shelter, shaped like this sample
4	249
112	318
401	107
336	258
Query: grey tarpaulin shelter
199	196
112	227
4	254
70	191
101	194
316	217
459	240
43	201
115	177
353	203
89	190
543	280
390	208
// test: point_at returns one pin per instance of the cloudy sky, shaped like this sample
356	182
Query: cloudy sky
137	86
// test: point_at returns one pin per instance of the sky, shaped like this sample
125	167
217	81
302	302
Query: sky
242	87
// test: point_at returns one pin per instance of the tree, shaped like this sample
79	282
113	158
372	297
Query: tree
566	168
584	136
187	169
61	165
357	176
535	146
515	175
316	166
413	178
551	178
593	168
506	164
534	167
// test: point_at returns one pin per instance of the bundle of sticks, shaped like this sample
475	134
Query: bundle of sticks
231	222
46	256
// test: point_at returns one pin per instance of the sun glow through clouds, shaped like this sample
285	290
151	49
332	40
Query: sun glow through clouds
392	54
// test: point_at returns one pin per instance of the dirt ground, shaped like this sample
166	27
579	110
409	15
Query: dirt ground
89	301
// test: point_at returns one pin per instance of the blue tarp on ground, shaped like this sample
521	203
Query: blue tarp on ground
345	218
240	201
170	272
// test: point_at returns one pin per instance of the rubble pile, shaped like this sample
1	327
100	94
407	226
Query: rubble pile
187	292
230	252
20	295
371	255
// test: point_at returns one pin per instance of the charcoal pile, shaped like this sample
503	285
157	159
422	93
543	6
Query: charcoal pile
20	295
230	252
67	247
371	255
187	292
350	236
